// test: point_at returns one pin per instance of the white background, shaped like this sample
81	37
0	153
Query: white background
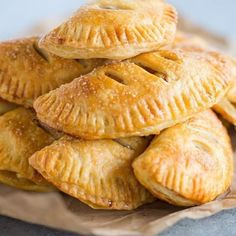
17	15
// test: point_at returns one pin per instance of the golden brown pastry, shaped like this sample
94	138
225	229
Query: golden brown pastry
20	137
231	95
227	110
6	106
115	29
98	173
138	97
27	72
188	164
225	107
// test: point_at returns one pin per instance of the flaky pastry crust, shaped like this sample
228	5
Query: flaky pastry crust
117	29
27	72
20	137
98	172
138	97
188	164
225	107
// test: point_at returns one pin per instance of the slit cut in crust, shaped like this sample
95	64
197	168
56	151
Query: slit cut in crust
134	100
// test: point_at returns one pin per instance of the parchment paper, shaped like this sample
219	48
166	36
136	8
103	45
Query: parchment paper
60	211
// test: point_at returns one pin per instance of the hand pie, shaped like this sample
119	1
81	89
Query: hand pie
27	72
117	29
188	41
188	164
6	106
138	97
98	173
20	137
225	108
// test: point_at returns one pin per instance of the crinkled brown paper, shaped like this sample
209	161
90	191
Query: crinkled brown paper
63	212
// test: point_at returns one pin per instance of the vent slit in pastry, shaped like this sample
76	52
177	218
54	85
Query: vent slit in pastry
147	104
115	77
27	71
154	72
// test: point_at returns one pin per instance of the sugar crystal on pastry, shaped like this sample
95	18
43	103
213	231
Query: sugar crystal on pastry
132	98
26	71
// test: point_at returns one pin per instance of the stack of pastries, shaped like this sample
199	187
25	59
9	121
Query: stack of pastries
116	108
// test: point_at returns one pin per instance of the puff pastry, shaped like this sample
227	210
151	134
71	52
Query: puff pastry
27	72
188	164
138	97
6	106
115	29
20	137
99	172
